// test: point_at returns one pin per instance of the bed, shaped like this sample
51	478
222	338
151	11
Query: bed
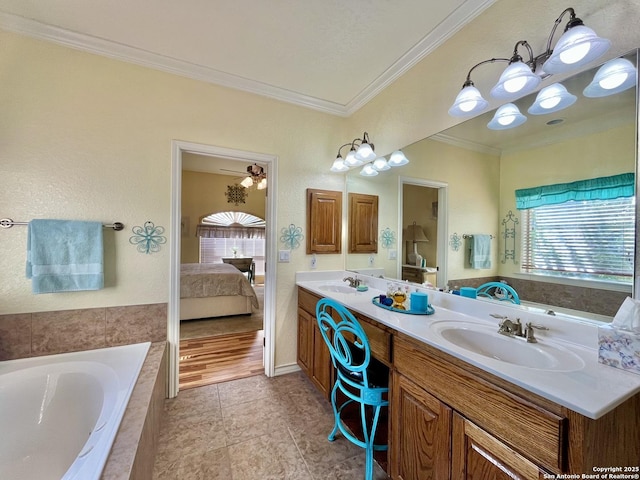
214	290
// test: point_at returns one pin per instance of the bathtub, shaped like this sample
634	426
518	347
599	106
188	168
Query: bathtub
59	414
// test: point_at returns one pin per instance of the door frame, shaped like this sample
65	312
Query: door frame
443	213
179	147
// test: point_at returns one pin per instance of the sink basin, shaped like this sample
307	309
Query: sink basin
337	288
484	340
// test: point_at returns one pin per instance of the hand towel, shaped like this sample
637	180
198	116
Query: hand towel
480	251
64	256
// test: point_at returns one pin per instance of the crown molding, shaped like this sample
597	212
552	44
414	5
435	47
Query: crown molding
445	30
466	144
125	53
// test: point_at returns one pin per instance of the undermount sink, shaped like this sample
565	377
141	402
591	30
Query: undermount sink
484	340
337	288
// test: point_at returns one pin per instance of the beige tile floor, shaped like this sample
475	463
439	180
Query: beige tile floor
254	428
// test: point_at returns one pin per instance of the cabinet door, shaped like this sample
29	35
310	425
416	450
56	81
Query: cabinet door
478	455
324	221
322	369
421	433
363	223
304	340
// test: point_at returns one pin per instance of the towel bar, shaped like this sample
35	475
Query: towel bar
465	235
8	223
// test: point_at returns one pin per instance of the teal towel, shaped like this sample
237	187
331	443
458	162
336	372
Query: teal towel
480	251
64	256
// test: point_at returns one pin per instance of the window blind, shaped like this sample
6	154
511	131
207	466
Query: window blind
581	239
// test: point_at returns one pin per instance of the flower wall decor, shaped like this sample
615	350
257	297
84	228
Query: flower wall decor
291	236
148	238
455	241
387	238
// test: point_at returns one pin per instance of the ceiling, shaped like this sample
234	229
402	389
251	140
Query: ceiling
329	55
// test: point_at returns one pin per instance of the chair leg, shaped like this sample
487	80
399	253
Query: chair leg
336	413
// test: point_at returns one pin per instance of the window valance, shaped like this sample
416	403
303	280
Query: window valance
602	188
215	231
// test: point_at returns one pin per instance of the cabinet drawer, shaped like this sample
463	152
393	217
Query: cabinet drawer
533	431
307	301
379	340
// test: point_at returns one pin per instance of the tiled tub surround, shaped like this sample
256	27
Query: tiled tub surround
595	300
47	333
591	391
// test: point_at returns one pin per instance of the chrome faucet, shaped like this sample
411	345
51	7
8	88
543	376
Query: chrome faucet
353	282
514	329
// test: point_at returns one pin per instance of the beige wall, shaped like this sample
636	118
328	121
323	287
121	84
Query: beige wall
87	137
205	193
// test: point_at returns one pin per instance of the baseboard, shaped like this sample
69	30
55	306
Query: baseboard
284	369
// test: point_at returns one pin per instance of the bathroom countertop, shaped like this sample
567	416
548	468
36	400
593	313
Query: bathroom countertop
592	390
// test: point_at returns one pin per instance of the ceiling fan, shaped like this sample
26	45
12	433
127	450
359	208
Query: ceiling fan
255	175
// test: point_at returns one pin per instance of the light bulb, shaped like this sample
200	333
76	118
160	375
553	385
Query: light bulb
613	81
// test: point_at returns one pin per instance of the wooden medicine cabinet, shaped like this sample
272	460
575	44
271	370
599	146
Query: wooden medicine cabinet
363	223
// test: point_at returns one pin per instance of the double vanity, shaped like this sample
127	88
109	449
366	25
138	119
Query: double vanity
469	402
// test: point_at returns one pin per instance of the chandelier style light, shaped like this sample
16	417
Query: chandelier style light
256	176
577	46
362	154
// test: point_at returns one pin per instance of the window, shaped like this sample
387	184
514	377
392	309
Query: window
587	239
224	234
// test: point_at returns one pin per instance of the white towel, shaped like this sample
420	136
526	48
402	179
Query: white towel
480	251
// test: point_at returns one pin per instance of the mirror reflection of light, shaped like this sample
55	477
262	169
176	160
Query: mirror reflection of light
550	102
506	119
613	81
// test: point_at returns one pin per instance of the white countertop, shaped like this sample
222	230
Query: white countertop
592	390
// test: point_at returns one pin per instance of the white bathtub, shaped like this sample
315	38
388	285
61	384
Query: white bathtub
59	414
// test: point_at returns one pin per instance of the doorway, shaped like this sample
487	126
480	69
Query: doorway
239	160
424	202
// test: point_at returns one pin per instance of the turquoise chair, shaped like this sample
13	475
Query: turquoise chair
351	356
499	291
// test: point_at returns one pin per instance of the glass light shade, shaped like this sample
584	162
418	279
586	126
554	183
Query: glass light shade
507	116
380	164
551	99
368	171
397	159
352	159
365	152
247	182
517	79
613	77
578	46
339	166
468	102
262	184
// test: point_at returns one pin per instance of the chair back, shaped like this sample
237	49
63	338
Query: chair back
501	291
347	341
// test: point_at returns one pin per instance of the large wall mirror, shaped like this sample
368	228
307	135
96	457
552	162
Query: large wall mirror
476	171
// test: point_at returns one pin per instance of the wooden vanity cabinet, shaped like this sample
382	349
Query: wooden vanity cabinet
313	354
363	223
324	221
479	455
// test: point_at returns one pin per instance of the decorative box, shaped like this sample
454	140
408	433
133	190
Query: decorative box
619	348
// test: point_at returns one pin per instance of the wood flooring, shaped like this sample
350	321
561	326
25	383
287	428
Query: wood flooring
220	358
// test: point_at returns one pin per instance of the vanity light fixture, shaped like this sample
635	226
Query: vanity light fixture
551	99
362	153
507	116
613	77
578	46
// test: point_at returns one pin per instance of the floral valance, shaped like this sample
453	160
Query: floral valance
602	188
215	231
